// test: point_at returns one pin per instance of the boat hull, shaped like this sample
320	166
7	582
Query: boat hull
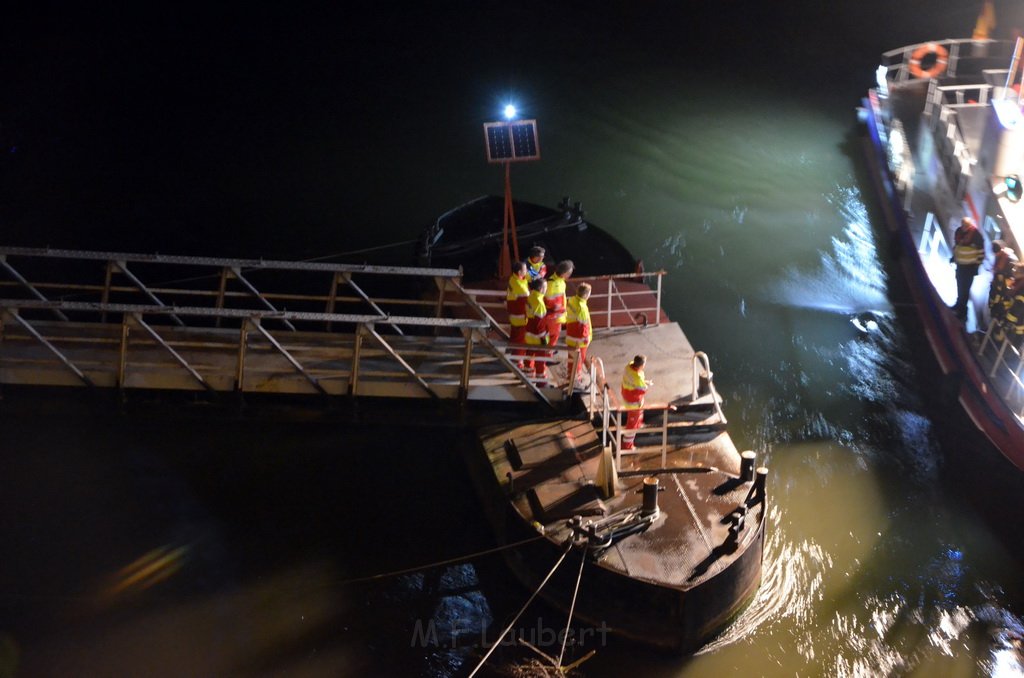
964	378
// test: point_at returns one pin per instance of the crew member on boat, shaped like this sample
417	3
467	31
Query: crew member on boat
968	253
515	303
1015	303
554	298
537	329
535	262
577	327
634	387
1002	276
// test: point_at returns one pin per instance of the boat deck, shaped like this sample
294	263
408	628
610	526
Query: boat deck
556	476
670	363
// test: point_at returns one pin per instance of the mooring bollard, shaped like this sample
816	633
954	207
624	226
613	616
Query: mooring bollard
747	459
650	505
760	480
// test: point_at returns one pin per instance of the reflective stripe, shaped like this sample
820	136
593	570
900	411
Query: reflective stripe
536	326
968	248
634	386
515	300
968	254
535	271
577	328
555	296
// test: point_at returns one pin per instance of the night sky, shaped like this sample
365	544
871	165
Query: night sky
261	129
276	130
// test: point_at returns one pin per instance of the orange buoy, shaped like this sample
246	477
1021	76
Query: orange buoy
929	50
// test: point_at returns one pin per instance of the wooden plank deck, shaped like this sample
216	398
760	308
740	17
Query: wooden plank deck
326	358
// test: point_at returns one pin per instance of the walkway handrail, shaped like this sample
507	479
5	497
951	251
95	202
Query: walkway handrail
1015	386
230	281
469	299
701	360
220	262
88	292
240	314
602	387
611	416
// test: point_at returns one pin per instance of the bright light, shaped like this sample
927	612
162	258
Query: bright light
510	112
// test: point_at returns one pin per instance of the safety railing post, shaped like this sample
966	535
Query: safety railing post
664	436
122	358
353	379
657	305
988	336
243	343
618	437
105	297
222	288
332	298
573	362
467	361
608	320
999	357
592	388
605	420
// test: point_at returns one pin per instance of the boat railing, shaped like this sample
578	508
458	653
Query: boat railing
612	304
897	62
704	379
604	402
933	245
636	304
598	382
1006	366
957	158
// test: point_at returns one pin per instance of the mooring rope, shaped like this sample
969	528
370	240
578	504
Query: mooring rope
427	566
512	623
572	608
365	250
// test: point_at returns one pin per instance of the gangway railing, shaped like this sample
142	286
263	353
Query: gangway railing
604	404
163	280
157	321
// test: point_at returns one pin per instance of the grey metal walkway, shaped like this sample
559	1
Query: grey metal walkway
119	320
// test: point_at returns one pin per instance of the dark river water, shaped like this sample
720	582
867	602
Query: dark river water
169	539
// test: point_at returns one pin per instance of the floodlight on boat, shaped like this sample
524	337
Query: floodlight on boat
1014	188
510	112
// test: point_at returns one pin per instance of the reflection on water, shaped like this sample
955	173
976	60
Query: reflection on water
850	279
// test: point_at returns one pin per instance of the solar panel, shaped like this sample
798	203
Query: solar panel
524	140
512	141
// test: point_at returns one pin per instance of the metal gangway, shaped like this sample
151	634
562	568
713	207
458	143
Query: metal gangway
140	321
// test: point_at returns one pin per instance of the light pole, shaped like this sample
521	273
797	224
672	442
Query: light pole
509	141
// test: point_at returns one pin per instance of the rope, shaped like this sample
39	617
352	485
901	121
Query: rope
508	628
364	250
572	608
442	562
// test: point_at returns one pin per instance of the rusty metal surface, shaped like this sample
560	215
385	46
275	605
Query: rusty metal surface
669	360
685	546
